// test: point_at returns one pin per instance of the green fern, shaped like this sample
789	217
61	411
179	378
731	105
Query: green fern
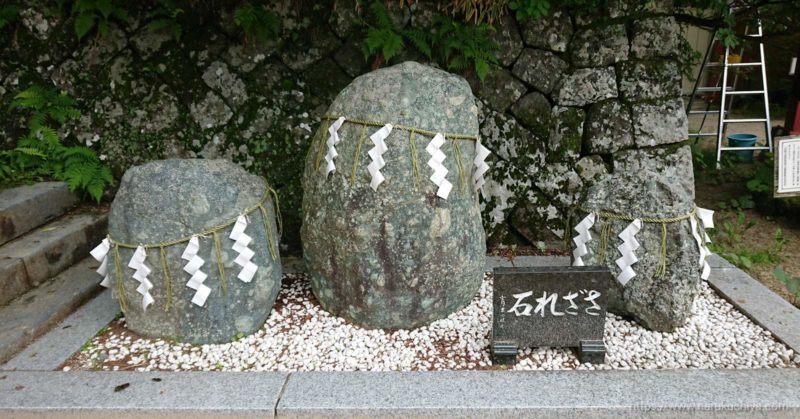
9	13
91	14
385	39
463	46
41	153
47	106
165	19
256	22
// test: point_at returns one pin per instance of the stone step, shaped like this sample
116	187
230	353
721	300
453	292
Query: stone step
43	253
27	207
35	312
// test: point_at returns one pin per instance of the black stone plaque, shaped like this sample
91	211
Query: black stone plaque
550	306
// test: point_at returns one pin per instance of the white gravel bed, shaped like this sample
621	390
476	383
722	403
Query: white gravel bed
301	336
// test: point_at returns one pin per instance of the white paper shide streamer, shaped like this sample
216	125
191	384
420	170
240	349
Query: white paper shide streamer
100	254
582	239
436	163
628	251
376	154
192	267
701	237
481	153
333	140
141	271
242	241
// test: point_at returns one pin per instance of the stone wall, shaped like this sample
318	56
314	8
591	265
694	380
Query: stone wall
572	97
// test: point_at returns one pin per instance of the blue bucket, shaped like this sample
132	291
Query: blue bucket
743	140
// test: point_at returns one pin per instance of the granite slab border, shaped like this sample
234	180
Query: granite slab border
591	394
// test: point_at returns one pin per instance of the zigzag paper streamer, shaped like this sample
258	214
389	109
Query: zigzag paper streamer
245	253
628	251
582	239
701	237
192	267
439	171
376	154
333	139
100	254
137	263
481	153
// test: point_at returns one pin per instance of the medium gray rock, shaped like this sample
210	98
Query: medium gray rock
509	43
169	199
656	37
499	89
591	168
533	111
620	8
509	140
541	69
587	85
398	257
645	80
608	127
599	46
552	32
660	303
658	123
566	132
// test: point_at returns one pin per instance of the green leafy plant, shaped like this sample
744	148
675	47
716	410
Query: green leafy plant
791	283
739	203
91	14
479	11
529	9
9	13
385	39
257	23
463	46
165	18
41	154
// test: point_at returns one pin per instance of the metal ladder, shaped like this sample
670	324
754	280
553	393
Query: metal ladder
728	93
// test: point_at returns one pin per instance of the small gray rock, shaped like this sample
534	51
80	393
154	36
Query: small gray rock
170	199
540	69
658	302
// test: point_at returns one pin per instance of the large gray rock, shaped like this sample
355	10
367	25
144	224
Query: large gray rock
169	199
656	185
398	257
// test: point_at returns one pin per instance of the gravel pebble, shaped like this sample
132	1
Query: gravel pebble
301	336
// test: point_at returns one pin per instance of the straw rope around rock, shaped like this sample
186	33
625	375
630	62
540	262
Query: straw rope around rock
412	131
606	231
213	233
